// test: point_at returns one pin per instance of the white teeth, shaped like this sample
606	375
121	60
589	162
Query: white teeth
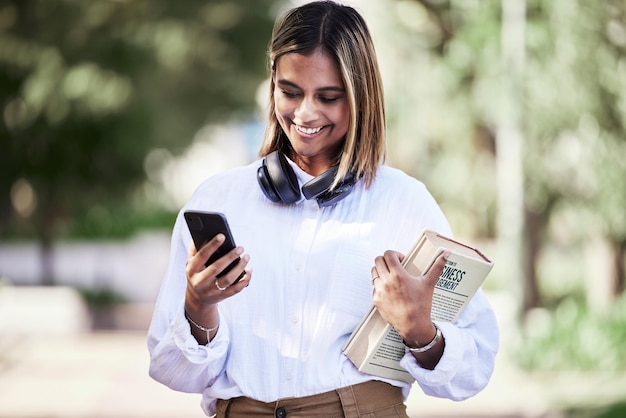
308	131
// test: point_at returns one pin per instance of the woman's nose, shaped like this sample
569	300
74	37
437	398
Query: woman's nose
306	110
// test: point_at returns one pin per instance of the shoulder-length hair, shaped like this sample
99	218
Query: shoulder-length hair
343	34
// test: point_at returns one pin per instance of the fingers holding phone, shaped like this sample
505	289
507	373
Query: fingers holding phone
217	269
229	270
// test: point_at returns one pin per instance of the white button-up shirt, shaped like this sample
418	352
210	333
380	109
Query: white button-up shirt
283	335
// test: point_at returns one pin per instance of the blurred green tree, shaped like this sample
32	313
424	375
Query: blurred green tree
571	115
575	104
87	88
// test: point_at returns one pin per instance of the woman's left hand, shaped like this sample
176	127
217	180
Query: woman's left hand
403	300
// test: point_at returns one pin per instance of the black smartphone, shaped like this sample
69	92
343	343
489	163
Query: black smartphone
203	226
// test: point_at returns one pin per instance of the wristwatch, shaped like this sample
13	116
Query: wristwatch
427	346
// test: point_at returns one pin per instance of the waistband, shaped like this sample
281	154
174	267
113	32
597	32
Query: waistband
368	399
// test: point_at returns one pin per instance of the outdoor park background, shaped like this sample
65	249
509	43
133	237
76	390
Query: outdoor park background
512	112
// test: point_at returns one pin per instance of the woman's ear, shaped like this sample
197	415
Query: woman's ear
273	74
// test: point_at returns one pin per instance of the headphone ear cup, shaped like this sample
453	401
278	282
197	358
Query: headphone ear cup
266	186
320	184
278	179
329	198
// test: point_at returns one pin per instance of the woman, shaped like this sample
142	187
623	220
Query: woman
323	225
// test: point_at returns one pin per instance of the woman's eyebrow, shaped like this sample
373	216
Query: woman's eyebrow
286	83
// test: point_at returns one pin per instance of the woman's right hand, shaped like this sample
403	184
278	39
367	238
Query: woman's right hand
205	289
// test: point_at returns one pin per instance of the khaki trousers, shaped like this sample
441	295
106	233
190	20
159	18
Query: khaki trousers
371	399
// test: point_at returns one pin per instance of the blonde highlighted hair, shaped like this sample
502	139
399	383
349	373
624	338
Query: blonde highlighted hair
342	33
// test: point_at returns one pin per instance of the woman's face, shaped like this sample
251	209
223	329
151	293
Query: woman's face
312	108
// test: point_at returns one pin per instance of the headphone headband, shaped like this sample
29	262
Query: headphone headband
279	183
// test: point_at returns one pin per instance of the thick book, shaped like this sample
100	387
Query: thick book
375	347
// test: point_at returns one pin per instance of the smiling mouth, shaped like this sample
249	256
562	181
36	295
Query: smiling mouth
308	131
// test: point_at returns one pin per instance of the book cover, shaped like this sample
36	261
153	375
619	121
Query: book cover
375	347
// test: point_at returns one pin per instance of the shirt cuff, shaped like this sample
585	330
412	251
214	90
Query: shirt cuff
213	352
447	366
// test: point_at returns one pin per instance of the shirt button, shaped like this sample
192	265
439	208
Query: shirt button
281	412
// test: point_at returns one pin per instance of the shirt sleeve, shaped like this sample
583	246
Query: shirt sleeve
176	358
468	360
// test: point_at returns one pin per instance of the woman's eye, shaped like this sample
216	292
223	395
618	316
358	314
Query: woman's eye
328	99
290	94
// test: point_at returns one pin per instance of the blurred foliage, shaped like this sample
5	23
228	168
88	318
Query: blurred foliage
567	336
101	297
447	88
99	222
611	411
576	113
88	88
446	100
442	69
